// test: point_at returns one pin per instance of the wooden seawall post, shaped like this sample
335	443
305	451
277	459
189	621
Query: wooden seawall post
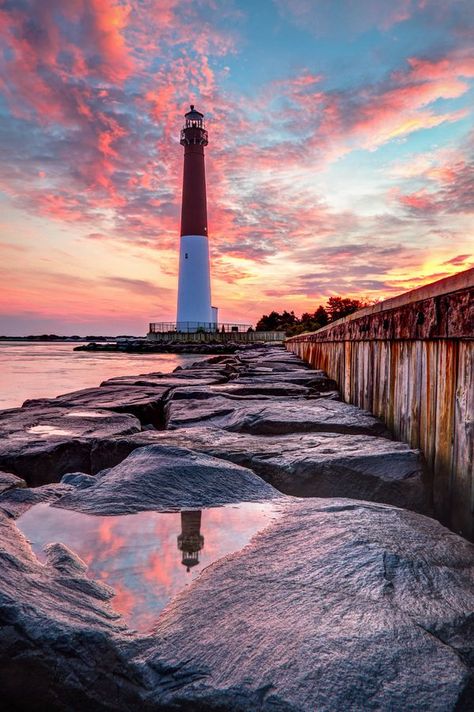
410	361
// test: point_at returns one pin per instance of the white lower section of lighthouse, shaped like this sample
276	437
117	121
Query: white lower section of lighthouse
194	285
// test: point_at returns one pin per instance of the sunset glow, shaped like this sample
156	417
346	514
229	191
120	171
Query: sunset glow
339	159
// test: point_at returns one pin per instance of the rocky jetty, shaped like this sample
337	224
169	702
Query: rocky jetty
142	346
349	598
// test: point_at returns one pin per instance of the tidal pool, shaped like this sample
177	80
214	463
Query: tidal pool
146	557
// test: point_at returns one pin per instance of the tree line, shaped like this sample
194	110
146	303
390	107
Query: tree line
287	321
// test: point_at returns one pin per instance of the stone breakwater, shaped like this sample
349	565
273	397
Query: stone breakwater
142	346
351	598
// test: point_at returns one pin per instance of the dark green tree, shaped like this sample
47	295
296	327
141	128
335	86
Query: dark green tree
321	316
338	307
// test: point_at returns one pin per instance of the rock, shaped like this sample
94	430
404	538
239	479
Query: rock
337	605
37	424
145	403
261	393
44	442
334	603
310	465
9	481
259	389
278	366
165	381
17	501
62	647
167	479
78	480
303	377
45	461
270	352
273	418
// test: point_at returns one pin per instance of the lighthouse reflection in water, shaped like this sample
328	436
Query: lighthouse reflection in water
190	541
149	556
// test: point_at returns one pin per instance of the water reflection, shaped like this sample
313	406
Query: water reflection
146	557
190	541
41	370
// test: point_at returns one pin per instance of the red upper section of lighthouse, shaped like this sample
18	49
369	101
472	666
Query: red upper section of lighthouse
194	205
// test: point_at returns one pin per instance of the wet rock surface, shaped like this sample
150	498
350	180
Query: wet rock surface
61	646
144	403
40	443
304	465
343	605
17	501
336	604
167	479
9	481
239	390
280	416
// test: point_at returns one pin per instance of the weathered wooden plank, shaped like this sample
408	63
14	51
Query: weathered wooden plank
463	450
428	409
445	393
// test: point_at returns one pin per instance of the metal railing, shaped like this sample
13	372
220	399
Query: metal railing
192	327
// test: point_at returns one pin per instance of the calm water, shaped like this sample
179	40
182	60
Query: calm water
146	557
35	370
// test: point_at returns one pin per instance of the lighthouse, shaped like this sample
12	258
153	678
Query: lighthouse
194	283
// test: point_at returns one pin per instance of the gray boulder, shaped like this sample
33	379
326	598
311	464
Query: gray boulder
78	480
310	465
167	380
239	390
303	377
44	442
146	403
9	481
276	417
62	646
336	606
16	502
167	479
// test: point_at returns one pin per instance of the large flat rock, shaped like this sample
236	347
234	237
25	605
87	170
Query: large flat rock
276	417
62	646
310	465
146	403
303	377
17	501
41	443
270	353
236	390
183	377
168	479
335	605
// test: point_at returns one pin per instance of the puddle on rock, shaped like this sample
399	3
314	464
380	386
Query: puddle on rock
46	430
146	557
87	414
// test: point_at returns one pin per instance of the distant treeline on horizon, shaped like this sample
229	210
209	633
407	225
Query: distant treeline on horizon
336	308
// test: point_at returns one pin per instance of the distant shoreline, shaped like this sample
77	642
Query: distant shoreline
68	339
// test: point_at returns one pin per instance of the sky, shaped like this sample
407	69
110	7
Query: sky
340	156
